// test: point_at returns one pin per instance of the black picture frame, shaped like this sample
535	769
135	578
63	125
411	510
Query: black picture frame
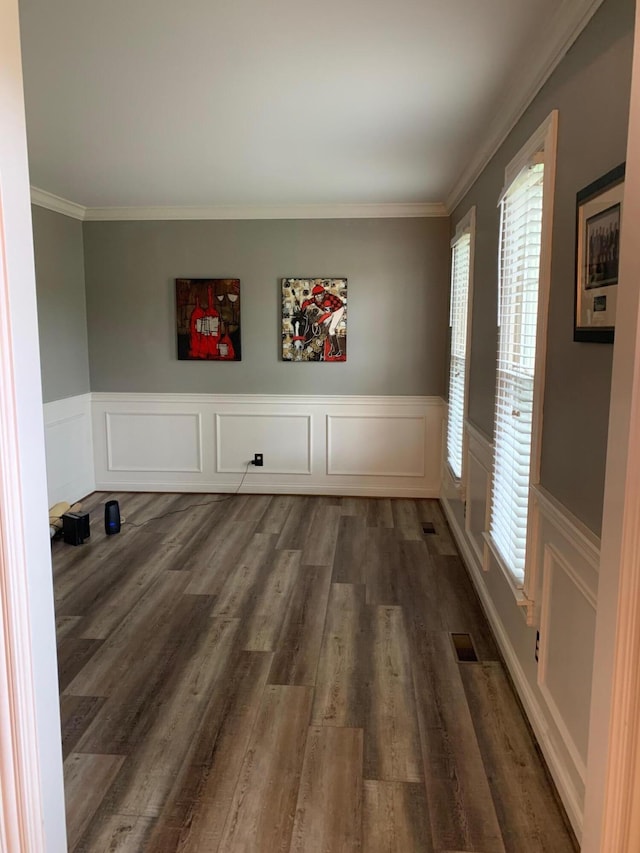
598	220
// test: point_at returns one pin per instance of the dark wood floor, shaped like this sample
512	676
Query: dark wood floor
278	674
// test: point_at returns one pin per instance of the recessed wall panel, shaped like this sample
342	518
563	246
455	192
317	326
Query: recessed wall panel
283	440
154	441
478	483
376	445
567	633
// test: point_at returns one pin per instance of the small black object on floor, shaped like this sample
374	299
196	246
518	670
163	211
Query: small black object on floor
75	527
111	518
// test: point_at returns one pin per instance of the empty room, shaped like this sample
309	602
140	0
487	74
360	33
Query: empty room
318	487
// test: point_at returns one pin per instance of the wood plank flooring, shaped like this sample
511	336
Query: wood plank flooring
276	675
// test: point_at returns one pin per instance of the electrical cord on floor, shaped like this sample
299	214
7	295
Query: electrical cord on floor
191	506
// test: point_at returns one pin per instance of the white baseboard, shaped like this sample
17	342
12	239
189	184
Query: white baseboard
376	446
253	488
69	449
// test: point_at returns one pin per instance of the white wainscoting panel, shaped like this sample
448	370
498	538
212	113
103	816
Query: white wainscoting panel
170	442
479	463
564	584
376	445
567	634
386	446
284	441
69	449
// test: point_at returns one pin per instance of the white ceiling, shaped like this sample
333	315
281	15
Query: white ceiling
269	102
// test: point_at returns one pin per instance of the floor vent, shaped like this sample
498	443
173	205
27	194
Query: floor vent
428	527
463	645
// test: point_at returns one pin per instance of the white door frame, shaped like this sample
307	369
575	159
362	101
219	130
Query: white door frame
31	784
612	805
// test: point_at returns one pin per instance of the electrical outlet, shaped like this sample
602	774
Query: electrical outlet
537	645
258	460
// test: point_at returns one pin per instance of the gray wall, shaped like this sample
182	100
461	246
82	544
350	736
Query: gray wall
397	271
590	88
62	316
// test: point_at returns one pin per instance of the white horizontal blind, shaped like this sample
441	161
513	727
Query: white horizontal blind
520	246
460	260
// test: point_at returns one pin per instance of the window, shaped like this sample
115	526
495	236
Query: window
461	264
525	236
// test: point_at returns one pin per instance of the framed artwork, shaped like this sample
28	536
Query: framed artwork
598	217
314	319
208	319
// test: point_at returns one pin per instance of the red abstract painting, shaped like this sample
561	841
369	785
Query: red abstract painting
208	319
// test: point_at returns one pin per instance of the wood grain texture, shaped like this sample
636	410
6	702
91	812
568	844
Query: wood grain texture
395	818
160	735
263	674
379	513
418	591
73	654
329	809
344	662
320	544
461	607
264	803
392	742
76	714
383	567
442	542
298	650
349	564
196	810
461	808
118	834
210	571
526	807
405	519
241	585
86	778
264	624
136	639
276	514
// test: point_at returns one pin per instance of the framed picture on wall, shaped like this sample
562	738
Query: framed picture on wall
598	219
208	319
314	319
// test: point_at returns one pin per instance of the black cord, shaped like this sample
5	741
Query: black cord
193	506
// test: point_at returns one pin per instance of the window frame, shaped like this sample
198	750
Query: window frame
466	226
543	141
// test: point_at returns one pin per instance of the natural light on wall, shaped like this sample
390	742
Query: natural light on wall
459	309
523	207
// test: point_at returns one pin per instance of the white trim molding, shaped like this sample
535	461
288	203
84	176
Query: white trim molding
41	198
569	20
69	449
285	211
612	816
399	210
384	446
32	813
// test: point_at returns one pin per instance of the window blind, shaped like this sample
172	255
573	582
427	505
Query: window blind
460	259
520	246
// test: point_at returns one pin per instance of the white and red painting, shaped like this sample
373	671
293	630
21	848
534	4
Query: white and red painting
314	319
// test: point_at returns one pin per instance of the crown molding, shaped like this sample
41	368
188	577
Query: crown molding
564	28
294	211
41	198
